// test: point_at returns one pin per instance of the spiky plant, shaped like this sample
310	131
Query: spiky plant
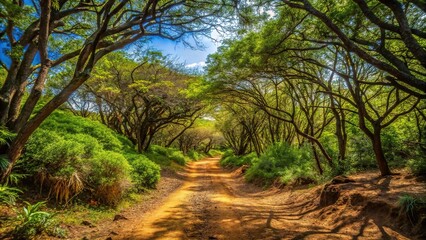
62	188
409	205
33	221
6	136
8	195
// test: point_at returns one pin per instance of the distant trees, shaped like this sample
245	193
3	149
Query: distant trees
202	137
138	100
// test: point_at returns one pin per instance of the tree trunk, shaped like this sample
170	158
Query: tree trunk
379	154
33	98
24	134
317	160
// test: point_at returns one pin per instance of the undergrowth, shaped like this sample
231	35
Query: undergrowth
34	221
230	160
284	162
165	156
410	206
71	157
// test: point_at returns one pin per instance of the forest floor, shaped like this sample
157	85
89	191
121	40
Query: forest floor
212	203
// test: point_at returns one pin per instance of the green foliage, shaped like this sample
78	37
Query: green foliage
393	143
177	156
409	206
361	155
417	166
65	122
4	162
283	161
33	221
70	155
145	173
109	174
5	136
164	156
215	153
194	155
230	160
8	195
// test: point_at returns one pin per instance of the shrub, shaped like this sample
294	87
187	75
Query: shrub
215	153
63	122
164	156
110	176
194	155
67	155
230	160
6	136
417	166
360	152
177	156
145	173
283	161
59	165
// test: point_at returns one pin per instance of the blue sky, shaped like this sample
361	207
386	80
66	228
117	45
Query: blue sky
184	54
193	58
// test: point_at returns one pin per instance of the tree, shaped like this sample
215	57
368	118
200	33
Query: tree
60	31
139	100
311	83
387	34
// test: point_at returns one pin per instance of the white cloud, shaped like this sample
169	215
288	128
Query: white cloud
196	65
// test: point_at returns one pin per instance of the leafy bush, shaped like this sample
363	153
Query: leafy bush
6	136
33	221
283	161
177	156
417	166
194	155
109	175
360	152
164	156
215	153
63	122
59	164
230	160
66	150
145	173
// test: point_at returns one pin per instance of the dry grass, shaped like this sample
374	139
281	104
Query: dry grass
62	188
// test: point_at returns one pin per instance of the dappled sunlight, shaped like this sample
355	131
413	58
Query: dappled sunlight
206	206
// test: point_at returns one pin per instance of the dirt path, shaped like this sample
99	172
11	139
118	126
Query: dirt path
215	204
201	209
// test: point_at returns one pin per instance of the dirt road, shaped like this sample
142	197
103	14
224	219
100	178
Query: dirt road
214	204
202	208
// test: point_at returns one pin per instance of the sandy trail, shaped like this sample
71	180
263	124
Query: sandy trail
213	204
200	209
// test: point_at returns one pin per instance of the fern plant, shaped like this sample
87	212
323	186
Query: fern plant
8	195
6	136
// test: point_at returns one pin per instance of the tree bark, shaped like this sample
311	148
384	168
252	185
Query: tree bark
317	160
379	154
